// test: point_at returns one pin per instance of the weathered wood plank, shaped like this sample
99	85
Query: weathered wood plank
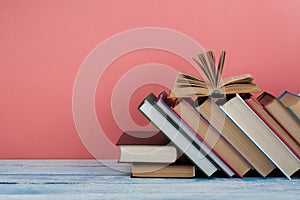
90	179
63	167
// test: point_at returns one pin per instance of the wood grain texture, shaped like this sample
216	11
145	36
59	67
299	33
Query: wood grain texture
91	179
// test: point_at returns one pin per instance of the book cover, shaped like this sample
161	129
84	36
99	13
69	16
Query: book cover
142	138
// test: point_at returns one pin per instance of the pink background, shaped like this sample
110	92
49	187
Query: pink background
43	44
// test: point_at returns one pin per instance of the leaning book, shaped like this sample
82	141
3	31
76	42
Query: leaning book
234	135
273	125
287	120
265	139
218	144
160	120
166	106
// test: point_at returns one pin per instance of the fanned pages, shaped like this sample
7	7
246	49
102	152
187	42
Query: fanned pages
187	85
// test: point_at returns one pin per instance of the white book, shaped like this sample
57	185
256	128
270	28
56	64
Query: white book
261	135
153	113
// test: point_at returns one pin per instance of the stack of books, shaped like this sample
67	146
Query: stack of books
152	155
214	126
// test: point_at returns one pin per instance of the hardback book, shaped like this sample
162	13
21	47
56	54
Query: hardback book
146	147
273	125
216	142
142	138
165	104
265	139
148	154
292	102
234	135
142	170
187	85
171	131
287	120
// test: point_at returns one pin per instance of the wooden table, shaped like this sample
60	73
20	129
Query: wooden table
91	179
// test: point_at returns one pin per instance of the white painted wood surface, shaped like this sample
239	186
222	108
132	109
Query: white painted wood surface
91	179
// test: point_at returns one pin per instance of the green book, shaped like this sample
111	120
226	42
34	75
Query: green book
171	131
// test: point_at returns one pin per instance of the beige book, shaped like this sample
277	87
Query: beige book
261	135
162	171
273	124
235	136
148	153
212	138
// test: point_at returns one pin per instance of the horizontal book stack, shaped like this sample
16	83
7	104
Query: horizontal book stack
153	155
224	130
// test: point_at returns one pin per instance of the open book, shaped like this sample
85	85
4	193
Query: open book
188	86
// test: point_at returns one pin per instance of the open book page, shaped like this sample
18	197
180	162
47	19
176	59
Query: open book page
241	88
187	85
182	92
187	80
243	78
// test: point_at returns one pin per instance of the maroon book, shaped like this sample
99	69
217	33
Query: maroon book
142	138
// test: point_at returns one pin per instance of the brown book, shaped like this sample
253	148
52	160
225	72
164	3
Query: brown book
273	125
235	136
142	138
261	135
187	85
224	150
162	171
287	120
292	102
